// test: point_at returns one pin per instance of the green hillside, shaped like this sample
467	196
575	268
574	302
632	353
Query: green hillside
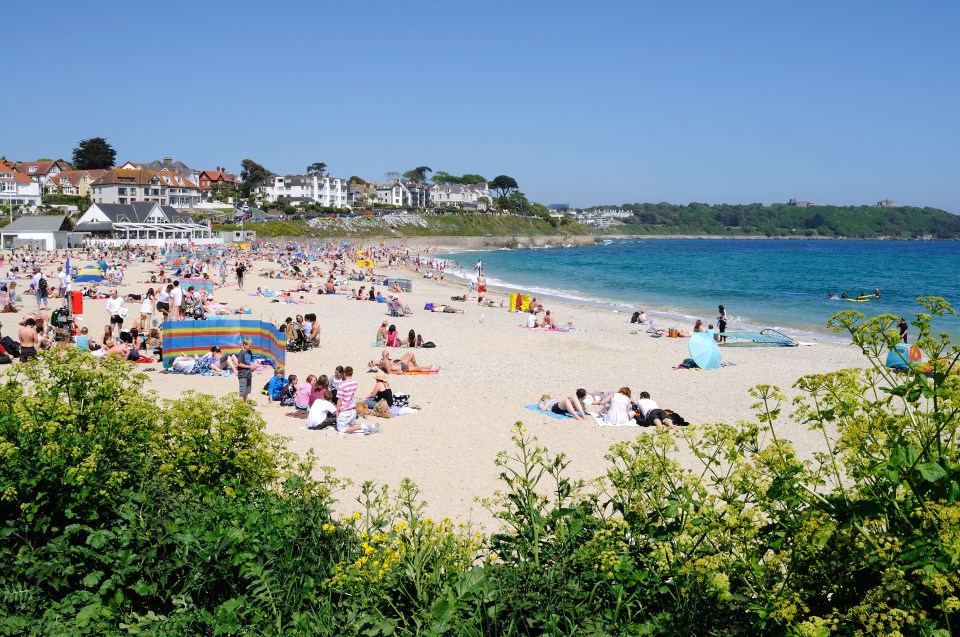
470	225
866	222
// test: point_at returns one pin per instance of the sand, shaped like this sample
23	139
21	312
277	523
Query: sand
491	367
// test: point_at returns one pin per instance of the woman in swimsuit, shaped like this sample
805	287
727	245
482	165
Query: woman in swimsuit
563	406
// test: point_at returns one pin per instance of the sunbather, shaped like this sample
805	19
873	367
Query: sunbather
562	406
406	363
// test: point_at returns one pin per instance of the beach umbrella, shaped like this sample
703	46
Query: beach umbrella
89	274
901	356
704	350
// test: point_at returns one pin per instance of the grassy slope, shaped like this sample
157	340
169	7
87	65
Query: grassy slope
460	225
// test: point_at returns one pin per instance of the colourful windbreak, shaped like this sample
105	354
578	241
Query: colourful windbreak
193	338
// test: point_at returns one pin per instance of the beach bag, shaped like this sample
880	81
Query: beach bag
382	409
362	409
428	307
429	344
401	400
11	346
676	418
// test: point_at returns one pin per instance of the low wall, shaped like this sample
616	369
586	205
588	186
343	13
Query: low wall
451	243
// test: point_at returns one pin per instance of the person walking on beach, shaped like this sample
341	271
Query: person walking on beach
240	270
722	324
902	324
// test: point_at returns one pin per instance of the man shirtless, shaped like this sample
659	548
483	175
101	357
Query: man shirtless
28	339
406	363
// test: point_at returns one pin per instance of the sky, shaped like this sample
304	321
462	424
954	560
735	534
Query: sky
584	103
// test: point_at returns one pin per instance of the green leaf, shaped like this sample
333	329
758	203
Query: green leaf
92	579
931	471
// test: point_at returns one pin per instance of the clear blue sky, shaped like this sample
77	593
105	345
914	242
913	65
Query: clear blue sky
581	102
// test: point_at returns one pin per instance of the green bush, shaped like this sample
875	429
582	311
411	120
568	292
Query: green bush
122	515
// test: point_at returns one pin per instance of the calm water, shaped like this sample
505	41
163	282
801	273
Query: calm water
762	283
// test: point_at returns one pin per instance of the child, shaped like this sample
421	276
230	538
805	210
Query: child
288	392
275	387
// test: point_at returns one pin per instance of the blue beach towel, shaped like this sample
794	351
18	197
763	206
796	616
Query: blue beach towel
534	407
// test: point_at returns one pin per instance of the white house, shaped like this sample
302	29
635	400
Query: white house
460	195
42	171
326	191
17	189
142	223
132	185
405	193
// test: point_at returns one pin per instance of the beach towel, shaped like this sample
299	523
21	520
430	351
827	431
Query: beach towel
602	423
548	413
420	373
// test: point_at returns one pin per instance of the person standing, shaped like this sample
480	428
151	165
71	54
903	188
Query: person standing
722	324
62	281
240	270
116	310
176	301
245	369
902	324
347	403
40	279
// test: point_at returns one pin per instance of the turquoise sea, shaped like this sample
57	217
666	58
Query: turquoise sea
761	282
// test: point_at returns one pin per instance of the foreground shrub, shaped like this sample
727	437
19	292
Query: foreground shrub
119	515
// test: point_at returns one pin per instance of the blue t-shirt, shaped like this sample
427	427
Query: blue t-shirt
245	358
83	342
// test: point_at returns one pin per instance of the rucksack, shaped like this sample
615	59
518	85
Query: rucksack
12	347
42	283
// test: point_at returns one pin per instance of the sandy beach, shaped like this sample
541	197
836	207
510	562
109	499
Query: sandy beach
491	368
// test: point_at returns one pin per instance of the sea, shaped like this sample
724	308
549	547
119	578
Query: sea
762	283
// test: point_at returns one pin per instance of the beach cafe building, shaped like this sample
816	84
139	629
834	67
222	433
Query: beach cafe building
144	223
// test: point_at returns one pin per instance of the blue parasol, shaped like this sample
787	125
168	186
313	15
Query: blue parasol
704	350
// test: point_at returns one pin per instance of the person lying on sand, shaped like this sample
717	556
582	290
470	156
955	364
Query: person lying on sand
406	363
571	405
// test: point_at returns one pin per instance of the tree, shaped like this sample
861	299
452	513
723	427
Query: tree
470	180
441	177
358	181
94	153
418	174
319	169
251	173
504	185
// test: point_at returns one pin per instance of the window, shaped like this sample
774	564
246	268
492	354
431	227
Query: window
32	169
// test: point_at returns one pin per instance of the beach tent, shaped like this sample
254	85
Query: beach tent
194	338
201	284
704	350
902	357
89	274
406	285
519	302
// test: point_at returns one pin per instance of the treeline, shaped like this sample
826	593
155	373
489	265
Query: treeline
866	222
